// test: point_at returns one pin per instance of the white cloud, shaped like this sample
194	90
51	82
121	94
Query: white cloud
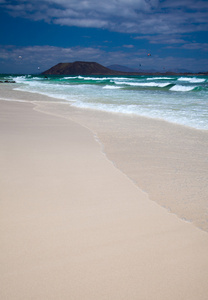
47	56
132	16
194	46
162	39
128	46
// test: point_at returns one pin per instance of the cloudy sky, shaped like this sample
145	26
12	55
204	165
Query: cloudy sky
37	34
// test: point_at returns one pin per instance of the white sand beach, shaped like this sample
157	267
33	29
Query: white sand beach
74	226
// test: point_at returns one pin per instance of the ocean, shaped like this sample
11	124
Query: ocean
177	99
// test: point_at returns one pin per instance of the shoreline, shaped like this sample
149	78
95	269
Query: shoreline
74	226
165	160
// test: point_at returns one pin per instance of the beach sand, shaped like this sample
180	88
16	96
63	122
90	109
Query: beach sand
74	226
167	161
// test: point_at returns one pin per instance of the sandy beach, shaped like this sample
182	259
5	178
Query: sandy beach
79	220
167	161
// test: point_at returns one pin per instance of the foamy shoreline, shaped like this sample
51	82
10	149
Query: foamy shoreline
180	100
167	161
74	227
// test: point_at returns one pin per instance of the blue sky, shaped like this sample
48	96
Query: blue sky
37	34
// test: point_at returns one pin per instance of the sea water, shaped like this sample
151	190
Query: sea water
177	99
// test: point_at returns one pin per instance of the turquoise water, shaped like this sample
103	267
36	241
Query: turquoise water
178	99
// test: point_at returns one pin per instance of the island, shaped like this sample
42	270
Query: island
94	68
80	68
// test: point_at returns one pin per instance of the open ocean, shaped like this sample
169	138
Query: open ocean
177	99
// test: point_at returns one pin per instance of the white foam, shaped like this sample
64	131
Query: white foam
111	87
38	78
193	79
98	78
14	100
182	88
108	94
72	77
104	78
94	78
158	78
141	111
20	79
120	78
197	80
148	84
183	79
49	94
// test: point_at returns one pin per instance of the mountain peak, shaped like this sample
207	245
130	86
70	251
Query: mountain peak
80	68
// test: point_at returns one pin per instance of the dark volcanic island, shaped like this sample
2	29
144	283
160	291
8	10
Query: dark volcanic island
80	68
93	68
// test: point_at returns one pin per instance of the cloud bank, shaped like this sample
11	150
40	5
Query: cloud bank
127	16
44	57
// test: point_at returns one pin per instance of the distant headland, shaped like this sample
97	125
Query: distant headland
93	68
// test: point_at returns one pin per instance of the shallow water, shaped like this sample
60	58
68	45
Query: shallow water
178	99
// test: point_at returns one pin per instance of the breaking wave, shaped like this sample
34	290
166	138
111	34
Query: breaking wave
179	99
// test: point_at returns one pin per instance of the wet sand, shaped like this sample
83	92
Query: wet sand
167	161
74	226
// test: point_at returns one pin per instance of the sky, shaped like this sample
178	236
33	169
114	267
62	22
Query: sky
37	34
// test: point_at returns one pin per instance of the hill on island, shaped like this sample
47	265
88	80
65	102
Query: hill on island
93	68
80	68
